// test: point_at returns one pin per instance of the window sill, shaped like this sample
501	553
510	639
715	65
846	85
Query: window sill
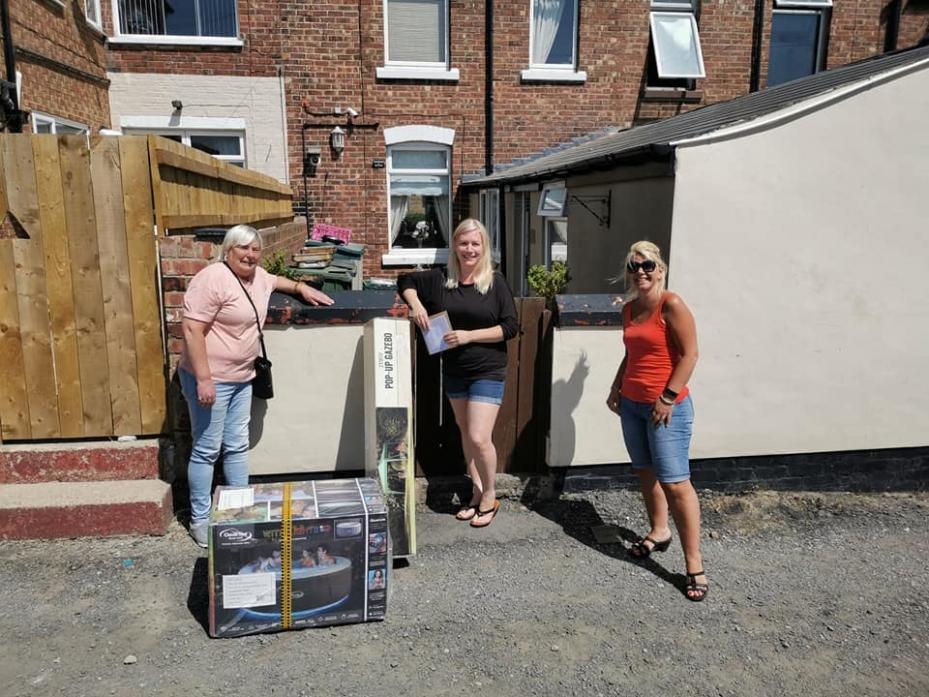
152	40
412	257
97	29
549	75
406	72
672	94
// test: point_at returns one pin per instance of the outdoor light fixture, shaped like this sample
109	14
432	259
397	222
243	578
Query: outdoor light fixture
337	140
177	104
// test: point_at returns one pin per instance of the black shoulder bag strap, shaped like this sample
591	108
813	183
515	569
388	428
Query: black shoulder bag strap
261	336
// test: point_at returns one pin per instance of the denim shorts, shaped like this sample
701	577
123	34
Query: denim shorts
665	450
480	390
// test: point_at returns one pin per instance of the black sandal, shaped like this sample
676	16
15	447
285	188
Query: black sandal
640	550
699	589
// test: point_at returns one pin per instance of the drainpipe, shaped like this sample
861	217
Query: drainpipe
14	121
894	9
757	30
488	87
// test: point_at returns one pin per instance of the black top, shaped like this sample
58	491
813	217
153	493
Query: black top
468	309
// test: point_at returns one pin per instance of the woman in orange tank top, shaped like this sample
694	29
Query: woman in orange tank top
650	395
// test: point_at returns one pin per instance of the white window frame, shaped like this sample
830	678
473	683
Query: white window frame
418	70
174	40
550	247
824	14
558	212
656	46
55	121
97	21
186	133
489	206
553	72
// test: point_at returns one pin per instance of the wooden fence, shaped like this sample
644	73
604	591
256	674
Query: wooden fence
81	349
522	424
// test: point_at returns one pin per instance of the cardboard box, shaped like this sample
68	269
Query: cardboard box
297	554
389	424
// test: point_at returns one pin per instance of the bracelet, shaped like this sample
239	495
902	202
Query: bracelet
666	402
671	393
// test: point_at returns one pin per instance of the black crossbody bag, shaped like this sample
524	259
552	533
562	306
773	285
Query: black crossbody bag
262	385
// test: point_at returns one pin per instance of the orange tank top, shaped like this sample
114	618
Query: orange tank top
650	356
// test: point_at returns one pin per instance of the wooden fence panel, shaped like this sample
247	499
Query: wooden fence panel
59	292
85	278
143	274
114	275
29	257
14	404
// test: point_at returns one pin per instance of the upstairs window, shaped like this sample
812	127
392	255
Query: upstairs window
799	32
417	32
675	43
92	12
201	19
553	34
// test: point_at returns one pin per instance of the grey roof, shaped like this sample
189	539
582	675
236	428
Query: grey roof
615	146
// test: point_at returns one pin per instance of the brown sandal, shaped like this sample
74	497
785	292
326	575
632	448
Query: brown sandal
492	512
699	590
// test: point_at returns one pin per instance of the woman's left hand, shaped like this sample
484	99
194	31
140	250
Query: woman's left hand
313	296
661	413
457	337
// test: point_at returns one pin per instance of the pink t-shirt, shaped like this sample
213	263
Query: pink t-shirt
215	297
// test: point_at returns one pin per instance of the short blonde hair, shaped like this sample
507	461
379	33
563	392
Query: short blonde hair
238	235
484	274
649	250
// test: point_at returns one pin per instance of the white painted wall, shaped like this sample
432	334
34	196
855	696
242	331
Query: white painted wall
315	423
257	100
583	431
803	251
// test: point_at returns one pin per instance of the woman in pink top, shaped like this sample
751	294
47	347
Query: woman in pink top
221	342
650	395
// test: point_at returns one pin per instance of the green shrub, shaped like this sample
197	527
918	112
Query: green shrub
549	283
277	266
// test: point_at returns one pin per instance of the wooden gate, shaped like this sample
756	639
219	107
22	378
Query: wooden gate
81	351
522	424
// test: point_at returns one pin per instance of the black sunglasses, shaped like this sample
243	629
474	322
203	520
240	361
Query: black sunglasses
647	266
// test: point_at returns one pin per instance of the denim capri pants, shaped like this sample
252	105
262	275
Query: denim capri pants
665	450
480	390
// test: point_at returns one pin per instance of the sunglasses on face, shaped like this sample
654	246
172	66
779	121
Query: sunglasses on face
647	266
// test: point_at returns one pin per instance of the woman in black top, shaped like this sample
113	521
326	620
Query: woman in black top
483	316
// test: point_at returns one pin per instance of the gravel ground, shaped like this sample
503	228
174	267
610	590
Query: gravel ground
810	594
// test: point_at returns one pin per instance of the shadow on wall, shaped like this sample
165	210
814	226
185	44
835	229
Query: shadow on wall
566	396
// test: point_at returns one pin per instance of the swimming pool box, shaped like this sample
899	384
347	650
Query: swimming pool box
338	561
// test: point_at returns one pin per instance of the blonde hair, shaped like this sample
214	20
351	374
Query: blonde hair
238	235
649	250
484	273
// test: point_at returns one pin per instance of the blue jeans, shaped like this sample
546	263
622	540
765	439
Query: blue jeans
665	450
489	391
222	427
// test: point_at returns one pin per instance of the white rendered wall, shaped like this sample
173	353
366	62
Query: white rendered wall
256	100
583	431
315	423
803	251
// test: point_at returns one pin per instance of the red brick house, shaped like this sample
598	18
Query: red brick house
383	106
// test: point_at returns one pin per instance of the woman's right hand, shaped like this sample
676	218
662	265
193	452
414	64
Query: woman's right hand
206	392
419	315
613	401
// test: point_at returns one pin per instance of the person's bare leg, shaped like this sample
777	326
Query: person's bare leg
657	507
685	507
460	410
481	417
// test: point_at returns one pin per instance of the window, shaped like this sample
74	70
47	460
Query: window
420	201
556	240
798	39
675	43
92	12
416	40
43	123
552	201
490	216
223	145
553	42
181	21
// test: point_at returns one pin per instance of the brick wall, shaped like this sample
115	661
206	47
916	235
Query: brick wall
61	58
